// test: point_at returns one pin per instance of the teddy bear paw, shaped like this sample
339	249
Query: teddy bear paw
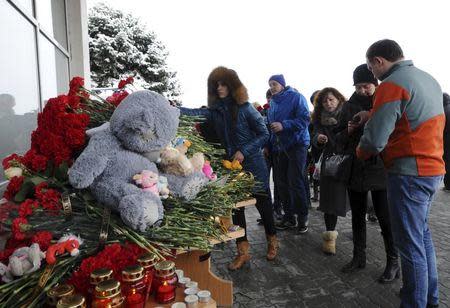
140	211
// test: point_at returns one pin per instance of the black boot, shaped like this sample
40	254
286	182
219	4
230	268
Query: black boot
392	270
357	263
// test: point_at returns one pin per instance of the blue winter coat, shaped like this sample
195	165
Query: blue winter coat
249	135
290	108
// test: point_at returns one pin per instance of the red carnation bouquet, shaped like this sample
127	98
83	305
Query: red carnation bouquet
37	178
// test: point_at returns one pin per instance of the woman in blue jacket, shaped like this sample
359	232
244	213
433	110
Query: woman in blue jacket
242	132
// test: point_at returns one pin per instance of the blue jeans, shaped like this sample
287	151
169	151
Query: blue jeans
410	199
289	170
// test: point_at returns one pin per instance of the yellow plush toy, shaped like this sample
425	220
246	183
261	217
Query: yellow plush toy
182	145
234	165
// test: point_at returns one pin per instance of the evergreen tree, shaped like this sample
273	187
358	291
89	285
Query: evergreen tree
121	46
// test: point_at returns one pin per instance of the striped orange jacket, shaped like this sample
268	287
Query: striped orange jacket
406	123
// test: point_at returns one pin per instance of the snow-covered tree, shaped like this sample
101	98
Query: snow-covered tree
120	45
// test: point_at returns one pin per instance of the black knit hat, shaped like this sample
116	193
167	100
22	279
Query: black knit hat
361	74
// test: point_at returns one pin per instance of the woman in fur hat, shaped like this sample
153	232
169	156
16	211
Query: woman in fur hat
243	133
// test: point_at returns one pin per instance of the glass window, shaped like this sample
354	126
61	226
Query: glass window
51	15
19	96
26	5
54	69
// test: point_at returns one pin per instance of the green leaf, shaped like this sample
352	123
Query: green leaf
25	191
36	180
61	172
49	170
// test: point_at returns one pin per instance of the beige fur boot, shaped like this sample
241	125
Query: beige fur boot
329	242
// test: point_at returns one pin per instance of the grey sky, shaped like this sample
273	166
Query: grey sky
313	43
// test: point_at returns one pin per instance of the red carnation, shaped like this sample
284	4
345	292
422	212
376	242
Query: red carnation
13	187
43	238
35	161
266	106
19	227
74	101
259	108
9	160
114	256
124	82
26	208
198	128
75	84
117	97
48	198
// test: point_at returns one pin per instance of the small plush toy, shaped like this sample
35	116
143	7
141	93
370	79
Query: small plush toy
197	160
208	171
23	261
68	243
163	187
182	145
234	165
174	162
148	180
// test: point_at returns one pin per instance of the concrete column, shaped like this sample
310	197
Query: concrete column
77	28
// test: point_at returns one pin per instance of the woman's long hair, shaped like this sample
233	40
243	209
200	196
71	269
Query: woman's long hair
320	99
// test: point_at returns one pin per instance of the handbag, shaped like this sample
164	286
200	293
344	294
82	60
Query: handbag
317	167
338	167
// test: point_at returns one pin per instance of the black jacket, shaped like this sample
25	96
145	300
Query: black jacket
447	131
366	175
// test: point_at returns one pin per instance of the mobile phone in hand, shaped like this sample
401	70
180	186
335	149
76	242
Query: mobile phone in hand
356	119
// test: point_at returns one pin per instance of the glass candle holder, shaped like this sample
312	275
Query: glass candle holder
95	278
148	261
134	288
108	295
57	292
72	301
165	282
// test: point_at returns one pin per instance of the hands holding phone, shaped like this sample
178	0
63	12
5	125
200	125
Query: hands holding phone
358	121
322	139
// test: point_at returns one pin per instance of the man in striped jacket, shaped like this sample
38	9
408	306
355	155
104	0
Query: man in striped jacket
406	126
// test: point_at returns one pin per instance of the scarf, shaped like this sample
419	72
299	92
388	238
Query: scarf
330	118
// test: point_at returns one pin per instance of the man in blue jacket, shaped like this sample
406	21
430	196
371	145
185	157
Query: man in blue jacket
288	118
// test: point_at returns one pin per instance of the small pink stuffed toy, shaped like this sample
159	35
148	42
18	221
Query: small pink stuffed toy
208	171
148	180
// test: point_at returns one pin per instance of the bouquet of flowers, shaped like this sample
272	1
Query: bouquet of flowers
42	207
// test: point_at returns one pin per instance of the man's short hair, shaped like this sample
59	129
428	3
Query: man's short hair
388	49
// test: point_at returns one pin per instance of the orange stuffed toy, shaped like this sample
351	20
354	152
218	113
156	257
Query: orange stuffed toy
68	243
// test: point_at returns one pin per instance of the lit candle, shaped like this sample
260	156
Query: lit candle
135	300
165	293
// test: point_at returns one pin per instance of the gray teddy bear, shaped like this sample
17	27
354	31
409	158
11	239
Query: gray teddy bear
140	127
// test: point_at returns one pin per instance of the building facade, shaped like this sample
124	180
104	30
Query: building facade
44	44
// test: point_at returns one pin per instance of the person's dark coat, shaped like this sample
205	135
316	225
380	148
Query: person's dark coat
333	194
447	140
366	175
245	132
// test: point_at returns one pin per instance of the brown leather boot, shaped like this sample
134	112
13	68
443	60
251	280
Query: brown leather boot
272	247
242	257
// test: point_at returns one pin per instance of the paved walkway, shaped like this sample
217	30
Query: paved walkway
302	276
